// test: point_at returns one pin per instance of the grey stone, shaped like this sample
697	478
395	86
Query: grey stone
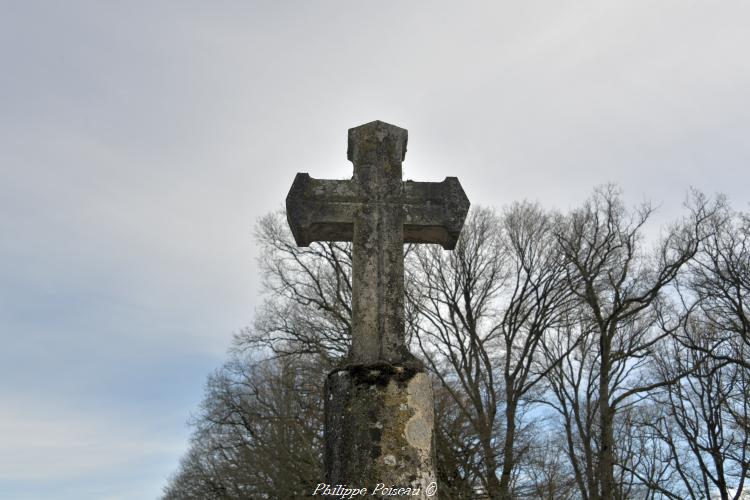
379	428
378	212
379	406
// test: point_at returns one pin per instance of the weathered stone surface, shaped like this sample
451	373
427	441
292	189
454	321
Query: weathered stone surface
378	212
323	210
379	406
434	211
379	423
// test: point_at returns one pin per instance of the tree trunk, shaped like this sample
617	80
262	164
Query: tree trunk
606	422
508	458
493	485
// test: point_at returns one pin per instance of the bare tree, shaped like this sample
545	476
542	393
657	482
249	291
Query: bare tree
453	293
719	282
622	288
548	471
575	312
572	387
535	300
458	463
308	295
701	425
482	313
202	474
258	434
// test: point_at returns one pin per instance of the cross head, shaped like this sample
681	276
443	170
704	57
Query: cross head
378	212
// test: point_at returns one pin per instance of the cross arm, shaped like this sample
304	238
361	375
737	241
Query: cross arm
321	209
435	212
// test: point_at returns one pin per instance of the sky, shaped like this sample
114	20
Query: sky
140	141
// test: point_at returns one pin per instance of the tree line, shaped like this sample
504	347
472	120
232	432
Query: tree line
579	355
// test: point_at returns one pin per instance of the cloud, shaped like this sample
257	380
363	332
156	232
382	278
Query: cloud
54	450
73	443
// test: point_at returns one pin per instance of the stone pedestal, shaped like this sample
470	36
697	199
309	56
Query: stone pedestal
379	429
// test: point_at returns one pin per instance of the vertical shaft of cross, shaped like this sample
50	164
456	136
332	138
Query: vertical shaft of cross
378	241
379	408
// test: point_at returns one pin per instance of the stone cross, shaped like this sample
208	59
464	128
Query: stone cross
378	212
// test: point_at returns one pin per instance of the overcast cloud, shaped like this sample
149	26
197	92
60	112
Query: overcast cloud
140	141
